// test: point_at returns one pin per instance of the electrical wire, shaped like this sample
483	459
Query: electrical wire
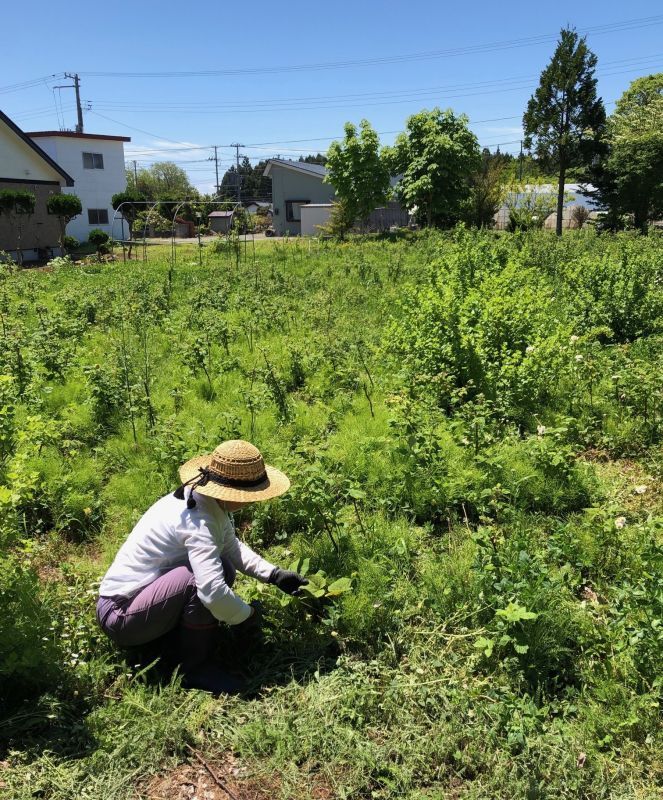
614	27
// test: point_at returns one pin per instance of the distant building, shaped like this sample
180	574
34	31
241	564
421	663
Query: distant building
220	221
295	184
96	162
577	195
255	206
27	167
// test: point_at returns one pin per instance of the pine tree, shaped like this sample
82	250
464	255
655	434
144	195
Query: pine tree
565	120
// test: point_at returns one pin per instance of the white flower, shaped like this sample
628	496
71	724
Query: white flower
620	522
580	357
574	339
640	489
540	429
530	348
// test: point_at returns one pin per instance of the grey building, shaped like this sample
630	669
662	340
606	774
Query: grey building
295	184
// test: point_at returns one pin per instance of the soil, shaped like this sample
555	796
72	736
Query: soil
219	779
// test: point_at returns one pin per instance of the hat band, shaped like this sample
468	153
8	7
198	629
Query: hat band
238	483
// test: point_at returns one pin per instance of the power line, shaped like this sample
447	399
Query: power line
398	96
614	27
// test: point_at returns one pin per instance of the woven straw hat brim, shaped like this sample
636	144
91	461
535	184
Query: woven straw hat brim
276	483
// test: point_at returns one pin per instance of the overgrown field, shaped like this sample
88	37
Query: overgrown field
472	425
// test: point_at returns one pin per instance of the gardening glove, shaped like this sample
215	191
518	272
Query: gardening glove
252	626
287	581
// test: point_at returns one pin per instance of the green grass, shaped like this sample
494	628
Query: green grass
468	421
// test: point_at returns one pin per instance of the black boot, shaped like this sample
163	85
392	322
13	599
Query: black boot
196	646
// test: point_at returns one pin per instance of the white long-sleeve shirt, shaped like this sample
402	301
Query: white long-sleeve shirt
168	535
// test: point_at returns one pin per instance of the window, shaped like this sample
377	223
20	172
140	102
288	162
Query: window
93	160
293	211
97	216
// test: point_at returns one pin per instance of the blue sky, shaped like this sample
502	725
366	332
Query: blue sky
271	98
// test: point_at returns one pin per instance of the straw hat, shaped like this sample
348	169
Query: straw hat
235	471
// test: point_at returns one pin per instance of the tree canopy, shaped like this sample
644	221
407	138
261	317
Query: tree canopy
358	173
163	180
630	181
565	120
435	156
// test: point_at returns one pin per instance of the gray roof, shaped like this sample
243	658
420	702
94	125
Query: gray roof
313	169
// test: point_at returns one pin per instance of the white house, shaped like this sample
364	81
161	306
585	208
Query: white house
96	163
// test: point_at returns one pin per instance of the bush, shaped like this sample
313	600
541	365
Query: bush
70	243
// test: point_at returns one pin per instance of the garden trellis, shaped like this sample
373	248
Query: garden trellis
152	208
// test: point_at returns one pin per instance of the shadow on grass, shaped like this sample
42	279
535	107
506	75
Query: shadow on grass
46	723
268	660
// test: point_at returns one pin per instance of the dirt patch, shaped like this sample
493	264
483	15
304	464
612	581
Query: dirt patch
219	779
631	486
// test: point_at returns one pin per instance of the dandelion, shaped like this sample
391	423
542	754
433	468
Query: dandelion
574	339
620	522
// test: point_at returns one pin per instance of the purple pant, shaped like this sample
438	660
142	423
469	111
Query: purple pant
169	602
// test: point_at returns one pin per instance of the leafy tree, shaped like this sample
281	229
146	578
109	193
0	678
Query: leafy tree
565	120
163	180
436	156
65	207
357	172
630	181
487	191
99	239
16	204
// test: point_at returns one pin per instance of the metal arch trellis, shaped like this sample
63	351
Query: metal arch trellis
173	245
152	206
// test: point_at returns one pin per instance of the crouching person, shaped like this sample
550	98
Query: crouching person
176	569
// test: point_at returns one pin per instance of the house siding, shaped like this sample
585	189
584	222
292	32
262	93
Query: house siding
288	184
94	187
39	231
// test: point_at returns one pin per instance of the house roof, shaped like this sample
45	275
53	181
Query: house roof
24	136
74	135
314	170
221	214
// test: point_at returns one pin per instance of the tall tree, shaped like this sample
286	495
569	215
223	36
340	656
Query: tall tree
163	180
630	180
358	173
565	120
436	157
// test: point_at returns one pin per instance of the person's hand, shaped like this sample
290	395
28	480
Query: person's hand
288	581
252	625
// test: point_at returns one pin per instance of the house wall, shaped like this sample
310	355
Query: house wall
39	231
313	217
288	184
220	224
94	187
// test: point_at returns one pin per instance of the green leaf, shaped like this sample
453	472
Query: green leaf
520	648
487	645
339	586
515	613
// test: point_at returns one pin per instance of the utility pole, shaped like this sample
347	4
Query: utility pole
77	86
239	182
79	110
520	164
215	159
